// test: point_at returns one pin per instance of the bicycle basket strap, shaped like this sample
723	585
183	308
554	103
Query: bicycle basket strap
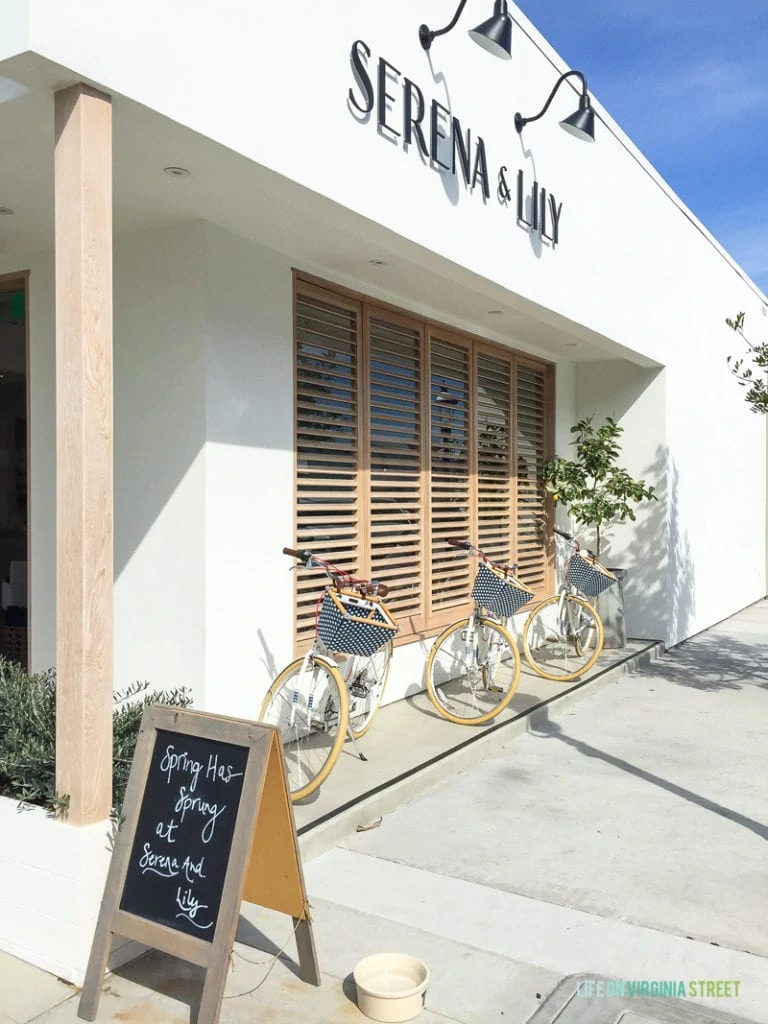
500	594
354	625
588	575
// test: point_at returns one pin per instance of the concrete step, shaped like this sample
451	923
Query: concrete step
408	752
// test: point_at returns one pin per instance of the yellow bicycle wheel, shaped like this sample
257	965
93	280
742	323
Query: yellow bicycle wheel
472	671
311	710
562	637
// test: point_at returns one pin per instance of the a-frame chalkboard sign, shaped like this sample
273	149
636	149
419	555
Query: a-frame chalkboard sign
208	823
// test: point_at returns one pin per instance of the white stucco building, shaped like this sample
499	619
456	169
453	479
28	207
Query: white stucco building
349	220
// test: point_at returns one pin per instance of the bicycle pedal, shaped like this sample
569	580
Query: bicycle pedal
358	690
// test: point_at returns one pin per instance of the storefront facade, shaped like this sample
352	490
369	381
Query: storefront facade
360	322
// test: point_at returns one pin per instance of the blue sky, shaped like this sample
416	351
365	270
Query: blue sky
688	82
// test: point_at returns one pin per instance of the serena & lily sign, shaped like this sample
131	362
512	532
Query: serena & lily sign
403	115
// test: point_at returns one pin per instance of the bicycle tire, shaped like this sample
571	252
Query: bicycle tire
357	734
339	689
432	688
548	631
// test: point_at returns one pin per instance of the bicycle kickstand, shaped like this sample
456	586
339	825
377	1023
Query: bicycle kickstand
360	754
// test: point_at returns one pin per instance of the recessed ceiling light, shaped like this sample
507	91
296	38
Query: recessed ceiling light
495	312
5	211
176	172
378	263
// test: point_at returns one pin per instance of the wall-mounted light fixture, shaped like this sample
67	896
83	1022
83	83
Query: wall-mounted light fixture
494	35
581	123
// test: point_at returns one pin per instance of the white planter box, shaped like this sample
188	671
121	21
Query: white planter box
51	882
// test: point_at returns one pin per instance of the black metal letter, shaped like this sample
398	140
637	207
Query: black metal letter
520	203
481	168
535	206
437	135
463	150
556	210
412	125
544	208
503	189
384	67
363	79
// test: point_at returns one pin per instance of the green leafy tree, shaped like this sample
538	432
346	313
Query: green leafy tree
754	377
596	491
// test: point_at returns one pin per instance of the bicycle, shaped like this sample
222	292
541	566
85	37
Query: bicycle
336	689
474	666
563	635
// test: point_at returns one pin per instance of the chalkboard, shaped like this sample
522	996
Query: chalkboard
178	861
208	823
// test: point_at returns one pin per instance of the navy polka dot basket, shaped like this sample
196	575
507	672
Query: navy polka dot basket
588	575
504	595
353	624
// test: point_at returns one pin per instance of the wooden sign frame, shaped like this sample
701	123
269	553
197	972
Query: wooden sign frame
264	865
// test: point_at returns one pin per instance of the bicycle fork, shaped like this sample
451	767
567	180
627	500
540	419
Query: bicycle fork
305	669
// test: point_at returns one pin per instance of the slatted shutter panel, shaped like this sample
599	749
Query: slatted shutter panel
395	465
531	393
494	457
450	492
327	435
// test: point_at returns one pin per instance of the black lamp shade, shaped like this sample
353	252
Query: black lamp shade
582	123
495	35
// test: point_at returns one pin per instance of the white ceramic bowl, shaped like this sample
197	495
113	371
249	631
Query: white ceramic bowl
391	987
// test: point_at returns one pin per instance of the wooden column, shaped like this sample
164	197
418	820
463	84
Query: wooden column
84	516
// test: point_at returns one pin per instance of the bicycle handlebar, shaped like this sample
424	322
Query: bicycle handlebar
465	545
574	543
456	543
366	588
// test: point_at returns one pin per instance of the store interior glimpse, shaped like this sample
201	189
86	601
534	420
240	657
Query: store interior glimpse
13	471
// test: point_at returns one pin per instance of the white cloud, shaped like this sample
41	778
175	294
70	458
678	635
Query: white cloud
673	105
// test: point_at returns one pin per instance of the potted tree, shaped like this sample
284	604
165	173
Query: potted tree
598	493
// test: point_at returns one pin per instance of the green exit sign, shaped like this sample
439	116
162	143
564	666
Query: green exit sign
17	304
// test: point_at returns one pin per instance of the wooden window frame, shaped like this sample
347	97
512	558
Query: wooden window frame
427	624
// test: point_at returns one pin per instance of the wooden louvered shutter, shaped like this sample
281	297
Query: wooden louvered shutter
327	441
532	451
494	457
451	469
394	484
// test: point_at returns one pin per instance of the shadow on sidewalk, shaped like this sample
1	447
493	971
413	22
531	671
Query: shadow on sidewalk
547	729
713	662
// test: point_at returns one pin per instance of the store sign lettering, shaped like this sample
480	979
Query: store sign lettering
403	113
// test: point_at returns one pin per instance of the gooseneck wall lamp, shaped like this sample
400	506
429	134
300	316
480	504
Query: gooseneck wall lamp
494	35
581	124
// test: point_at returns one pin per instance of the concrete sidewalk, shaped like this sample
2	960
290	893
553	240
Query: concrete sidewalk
625	840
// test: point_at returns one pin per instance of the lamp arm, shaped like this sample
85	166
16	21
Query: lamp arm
426	35
527	120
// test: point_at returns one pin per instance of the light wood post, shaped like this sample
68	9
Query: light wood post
84	515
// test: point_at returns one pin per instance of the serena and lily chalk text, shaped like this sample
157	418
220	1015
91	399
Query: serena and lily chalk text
179	858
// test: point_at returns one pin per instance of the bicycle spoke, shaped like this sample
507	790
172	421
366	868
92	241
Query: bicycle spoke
562	638
472	672
306	708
